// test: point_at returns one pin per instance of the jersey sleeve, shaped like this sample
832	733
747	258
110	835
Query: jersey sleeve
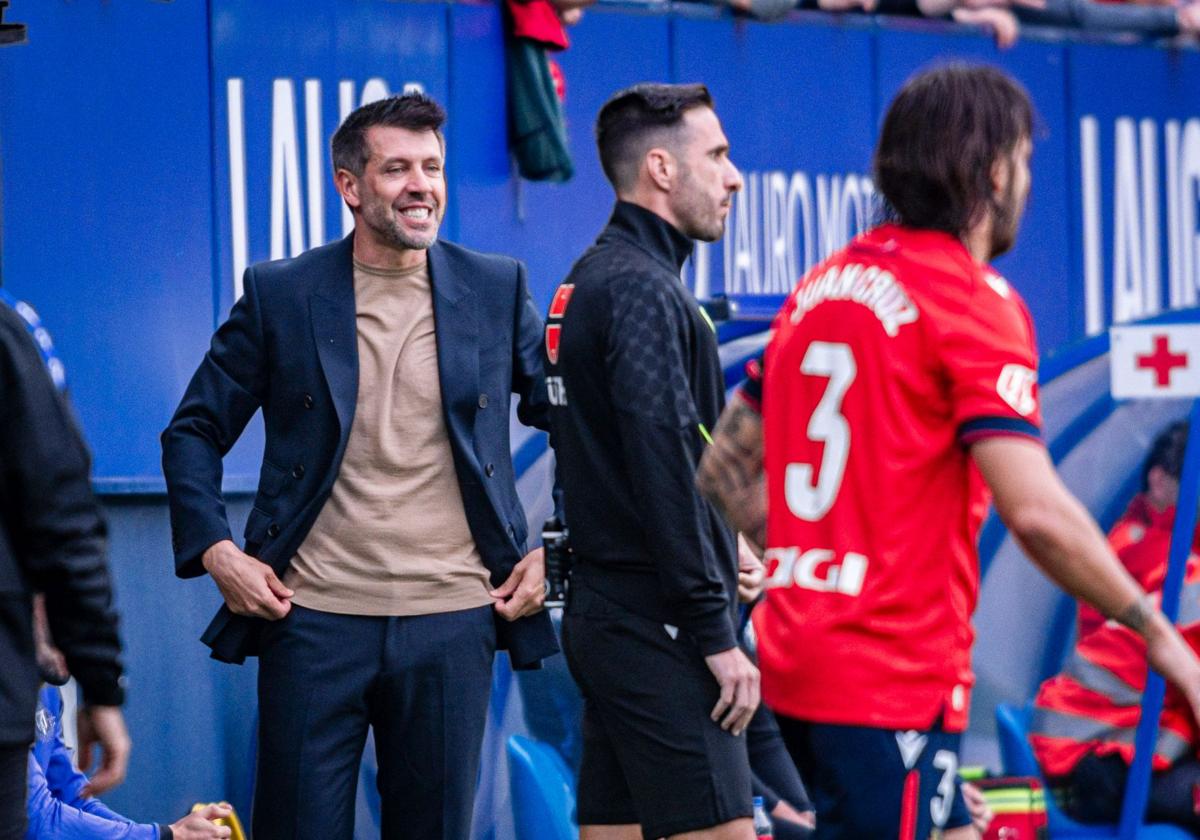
987	350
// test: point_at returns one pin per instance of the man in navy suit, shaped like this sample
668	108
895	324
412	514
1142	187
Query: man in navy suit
385	556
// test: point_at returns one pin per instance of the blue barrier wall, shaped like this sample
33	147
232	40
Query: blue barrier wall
149	150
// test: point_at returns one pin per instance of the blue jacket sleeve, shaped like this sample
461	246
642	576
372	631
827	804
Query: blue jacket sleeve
50	817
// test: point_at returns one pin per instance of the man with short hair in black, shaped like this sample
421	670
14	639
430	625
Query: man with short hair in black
635	381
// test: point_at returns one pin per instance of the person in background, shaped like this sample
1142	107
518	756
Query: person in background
1085	717
59	806
1142	536
52	539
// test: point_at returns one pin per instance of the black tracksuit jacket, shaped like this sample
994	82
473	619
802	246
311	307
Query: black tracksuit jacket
635	384
52	539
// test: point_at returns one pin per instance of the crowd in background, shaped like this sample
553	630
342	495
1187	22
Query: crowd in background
1003	18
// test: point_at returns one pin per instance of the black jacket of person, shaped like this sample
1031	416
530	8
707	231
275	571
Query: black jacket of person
636	383
52	540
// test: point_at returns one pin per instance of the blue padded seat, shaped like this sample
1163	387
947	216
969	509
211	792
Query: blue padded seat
543	791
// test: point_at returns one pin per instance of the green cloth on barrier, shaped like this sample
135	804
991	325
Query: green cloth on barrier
537	130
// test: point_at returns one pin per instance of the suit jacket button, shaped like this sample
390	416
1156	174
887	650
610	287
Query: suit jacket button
273	530
298	471
483	400
489	470
308	401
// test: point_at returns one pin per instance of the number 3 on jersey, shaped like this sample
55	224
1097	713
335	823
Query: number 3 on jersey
808	499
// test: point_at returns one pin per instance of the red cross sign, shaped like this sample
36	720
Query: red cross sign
1163	361
1155	361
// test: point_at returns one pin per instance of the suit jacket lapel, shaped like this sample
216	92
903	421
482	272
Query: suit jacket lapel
335	332
456	321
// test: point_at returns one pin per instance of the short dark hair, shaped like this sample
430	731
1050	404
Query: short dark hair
942	134
414	111
636	119
1167	452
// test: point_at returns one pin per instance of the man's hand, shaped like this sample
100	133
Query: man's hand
199	825
738	679
1166	650
1003	4
784	811
525	590
977	807
249	587
1002	23
1188	17
752	574
103	726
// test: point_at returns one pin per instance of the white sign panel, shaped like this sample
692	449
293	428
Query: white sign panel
1155	361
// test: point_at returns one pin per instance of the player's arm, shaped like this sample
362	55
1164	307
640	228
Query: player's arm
1061	537
731	473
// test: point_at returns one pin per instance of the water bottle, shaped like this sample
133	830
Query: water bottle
762	823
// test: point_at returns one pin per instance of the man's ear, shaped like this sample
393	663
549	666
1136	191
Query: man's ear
661	167
1001	174
347	184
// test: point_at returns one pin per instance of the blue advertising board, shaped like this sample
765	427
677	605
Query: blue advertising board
107	226
801	134
547	225
206	148
1135	163
1040	266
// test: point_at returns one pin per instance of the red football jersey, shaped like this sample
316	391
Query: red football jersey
887	361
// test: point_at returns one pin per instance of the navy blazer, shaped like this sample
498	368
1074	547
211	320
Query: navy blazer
290	346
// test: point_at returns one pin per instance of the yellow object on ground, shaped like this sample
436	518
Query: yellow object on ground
235	825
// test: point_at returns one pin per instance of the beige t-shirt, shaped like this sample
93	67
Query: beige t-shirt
393	538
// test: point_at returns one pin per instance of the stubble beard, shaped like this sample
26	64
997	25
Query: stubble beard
1006	220
698	217
383	220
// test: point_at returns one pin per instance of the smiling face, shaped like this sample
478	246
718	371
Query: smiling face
707	179
400	197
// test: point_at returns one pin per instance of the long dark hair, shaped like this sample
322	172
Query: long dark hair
940	138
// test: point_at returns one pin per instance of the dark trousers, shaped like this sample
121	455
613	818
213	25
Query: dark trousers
14	790
1095	791
422	682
